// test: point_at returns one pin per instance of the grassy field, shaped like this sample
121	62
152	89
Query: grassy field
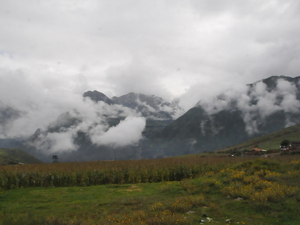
228	190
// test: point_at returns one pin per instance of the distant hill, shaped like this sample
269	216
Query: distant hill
268	141
16	156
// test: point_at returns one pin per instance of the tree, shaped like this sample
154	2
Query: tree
285	143
55	159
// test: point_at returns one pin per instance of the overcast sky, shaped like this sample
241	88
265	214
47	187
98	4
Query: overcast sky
156	47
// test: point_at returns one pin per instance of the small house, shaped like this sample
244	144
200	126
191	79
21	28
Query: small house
256	151
295	144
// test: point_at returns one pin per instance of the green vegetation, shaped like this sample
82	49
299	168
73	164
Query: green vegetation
15	156
285	143
108	172
178	190
182	190
269	141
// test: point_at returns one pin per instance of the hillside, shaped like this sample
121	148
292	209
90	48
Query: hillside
15	156
269	141
233	117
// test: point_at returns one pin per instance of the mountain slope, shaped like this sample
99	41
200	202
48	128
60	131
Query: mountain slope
74	135
231	118
97	96
149	106
15	156
101	128
268	141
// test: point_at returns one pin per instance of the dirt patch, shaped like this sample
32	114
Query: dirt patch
132	188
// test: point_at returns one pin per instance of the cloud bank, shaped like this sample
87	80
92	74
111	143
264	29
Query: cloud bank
60	115
192	50
127	132
255	102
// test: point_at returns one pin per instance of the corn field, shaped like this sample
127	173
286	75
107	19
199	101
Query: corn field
110	172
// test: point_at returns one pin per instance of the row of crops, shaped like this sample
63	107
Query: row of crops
110	172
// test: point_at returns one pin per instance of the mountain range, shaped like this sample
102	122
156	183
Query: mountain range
154	124
151	107
233	117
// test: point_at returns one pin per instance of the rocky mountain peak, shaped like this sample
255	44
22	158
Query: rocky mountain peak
148	105
97	96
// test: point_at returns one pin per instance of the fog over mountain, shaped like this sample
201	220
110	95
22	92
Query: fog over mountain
60	134
185	53
234	116
114	123
138	125
259	100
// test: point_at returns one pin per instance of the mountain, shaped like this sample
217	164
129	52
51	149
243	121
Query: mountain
74	135
135	126
7	115
149	106
230	118
97	96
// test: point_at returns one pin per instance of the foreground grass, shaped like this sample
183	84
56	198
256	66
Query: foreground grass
253	191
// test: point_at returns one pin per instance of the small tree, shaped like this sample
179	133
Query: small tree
55	159
285	143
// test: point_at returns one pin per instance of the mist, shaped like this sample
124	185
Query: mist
60	114
127	132
196	51
255	103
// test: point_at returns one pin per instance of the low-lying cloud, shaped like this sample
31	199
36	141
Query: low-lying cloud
255	103
127	132
60	115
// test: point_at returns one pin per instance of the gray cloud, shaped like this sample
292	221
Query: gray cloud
255	103
56	142
60	114
162	44
137	77
128	132
51	52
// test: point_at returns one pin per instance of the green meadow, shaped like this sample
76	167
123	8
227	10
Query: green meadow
183	190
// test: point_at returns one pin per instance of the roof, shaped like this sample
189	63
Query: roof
256	149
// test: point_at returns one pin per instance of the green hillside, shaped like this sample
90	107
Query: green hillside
15	156
269	141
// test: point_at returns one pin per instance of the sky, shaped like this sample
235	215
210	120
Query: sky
52	51
154	47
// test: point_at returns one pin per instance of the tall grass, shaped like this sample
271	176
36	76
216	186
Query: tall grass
110	172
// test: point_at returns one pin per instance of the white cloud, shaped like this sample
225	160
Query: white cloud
61	142
127	132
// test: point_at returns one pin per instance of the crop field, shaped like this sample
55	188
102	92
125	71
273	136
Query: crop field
182	190
108	172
